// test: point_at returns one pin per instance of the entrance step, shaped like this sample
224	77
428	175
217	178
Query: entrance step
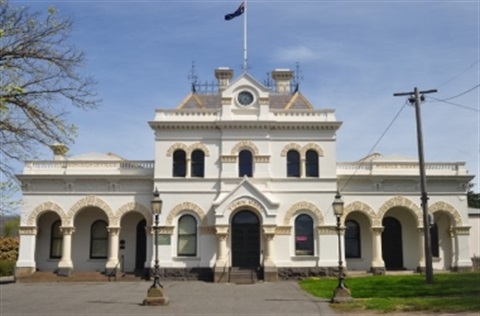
243	275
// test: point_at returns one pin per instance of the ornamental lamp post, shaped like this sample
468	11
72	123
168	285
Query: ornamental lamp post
341	294
155	294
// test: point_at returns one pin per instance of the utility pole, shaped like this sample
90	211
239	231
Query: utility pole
416	97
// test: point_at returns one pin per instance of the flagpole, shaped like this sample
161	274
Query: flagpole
245	59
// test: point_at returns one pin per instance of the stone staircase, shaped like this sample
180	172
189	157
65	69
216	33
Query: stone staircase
243	275
41	276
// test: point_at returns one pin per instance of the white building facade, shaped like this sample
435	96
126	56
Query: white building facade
247	175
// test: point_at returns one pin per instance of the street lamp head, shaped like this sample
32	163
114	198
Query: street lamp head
338	205
156	203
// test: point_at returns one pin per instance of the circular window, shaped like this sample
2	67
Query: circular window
245	98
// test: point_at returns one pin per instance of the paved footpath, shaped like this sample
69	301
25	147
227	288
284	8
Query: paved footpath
186	298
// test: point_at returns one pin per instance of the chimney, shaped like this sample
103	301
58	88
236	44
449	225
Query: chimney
59	151
223	75
282	79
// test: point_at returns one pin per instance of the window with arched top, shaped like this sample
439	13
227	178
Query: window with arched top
99	240
352	239
311	163
56	240
293	163
187	236
304	235
198	163
179	163
245	163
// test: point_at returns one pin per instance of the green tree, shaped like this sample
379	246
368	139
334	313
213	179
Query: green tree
39	79
9	203
473	198
10	227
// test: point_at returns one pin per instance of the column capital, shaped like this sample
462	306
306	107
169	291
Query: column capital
376	229
462	230
114	230
269	230
67	230
221	229
27	230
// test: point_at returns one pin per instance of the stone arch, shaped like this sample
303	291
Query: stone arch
130	207
247	203
45	207
290	146
184	207
176	146
364	208
199	146
245	144
402	202
447	207
92	201
300	206
312	146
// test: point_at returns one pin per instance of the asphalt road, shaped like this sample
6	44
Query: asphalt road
186	298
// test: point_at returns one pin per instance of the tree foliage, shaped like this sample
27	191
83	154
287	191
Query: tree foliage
473	198
40	78
9	204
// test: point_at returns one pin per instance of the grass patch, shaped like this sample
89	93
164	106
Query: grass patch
7	267
450	293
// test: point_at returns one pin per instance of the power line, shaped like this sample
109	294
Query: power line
459	74
454	104
461	94
375	145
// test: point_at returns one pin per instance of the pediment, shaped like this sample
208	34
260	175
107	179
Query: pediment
244	81
247	195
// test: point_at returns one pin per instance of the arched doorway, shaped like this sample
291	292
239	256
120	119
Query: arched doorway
141	247
392	246
245	240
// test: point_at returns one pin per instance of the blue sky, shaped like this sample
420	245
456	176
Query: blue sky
353	56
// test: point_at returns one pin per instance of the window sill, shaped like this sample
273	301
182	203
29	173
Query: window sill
186	258
304	258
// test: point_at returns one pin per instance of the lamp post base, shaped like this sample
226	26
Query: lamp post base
341	295
155	297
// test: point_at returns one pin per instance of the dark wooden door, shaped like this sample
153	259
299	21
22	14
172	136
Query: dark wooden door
245	240
392	247
141	246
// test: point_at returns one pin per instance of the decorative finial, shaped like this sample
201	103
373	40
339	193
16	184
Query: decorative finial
192	76
297	77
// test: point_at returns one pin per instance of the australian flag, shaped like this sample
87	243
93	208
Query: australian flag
238	12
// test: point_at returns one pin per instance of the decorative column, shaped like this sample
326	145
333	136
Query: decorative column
65	266
421	250
302	167
189	167
113	265
270	271
26	256
378	265
463	261
221	265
